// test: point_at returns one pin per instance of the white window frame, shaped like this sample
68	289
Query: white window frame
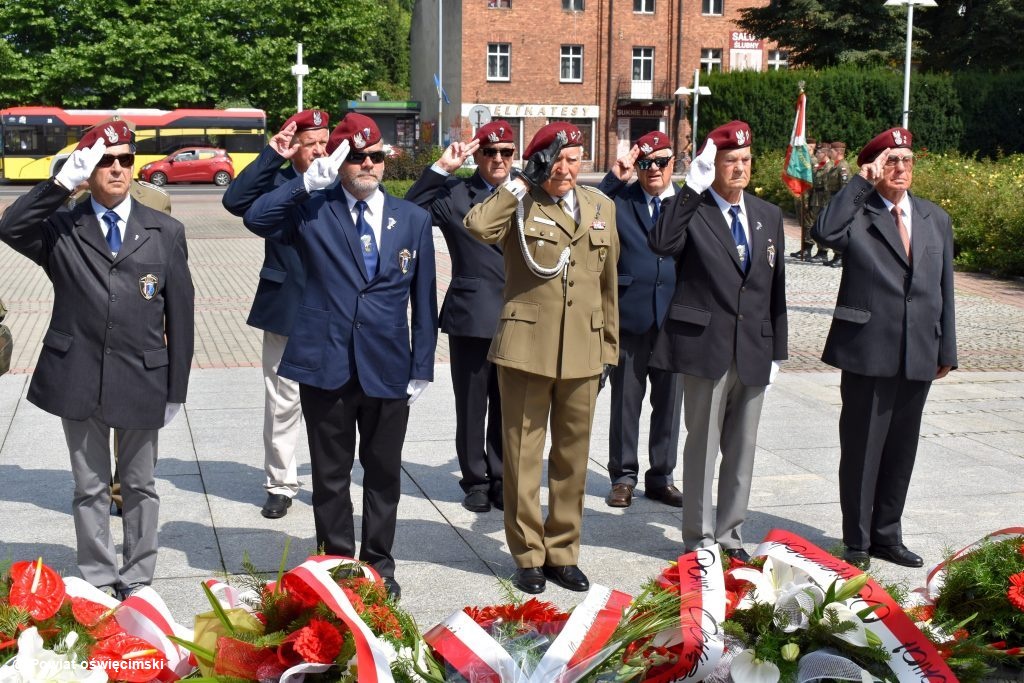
643	6
573	5
777	60
571	54
710	59
708	7
645	55
498	52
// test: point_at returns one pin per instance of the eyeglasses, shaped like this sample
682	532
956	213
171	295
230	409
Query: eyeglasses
660	162
491	152
359	157
108	160
907	160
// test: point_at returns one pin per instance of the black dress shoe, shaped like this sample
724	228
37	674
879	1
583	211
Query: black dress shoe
497	496
621	496
858	558
569	577
530	580
276	506
897	554
669	495
837	262
394	590
738	554
477	501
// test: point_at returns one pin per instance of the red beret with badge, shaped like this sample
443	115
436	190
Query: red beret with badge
546	135
894	138
652	142
113	133
494	132
732	135
360	130
310	119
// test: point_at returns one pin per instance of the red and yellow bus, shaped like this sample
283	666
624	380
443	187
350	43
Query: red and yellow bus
37	140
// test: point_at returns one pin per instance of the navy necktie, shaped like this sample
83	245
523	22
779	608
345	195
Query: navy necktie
113	232
742	248
657	209
367	243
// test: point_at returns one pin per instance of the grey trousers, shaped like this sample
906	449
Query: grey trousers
89	448
282	420
720	414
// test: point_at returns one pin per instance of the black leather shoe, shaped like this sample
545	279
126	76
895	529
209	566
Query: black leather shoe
738	554
394	590
837	262
621	496
569	577
669	495
858	558
276	506
897	554
822	256
477	501
530	580
497	496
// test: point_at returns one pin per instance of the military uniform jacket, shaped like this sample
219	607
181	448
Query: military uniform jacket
347	324
889	313
646	280
282	276
562	327
719	315
473	301
105	347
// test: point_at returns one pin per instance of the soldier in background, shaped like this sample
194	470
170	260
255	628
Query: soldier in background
819	195
803	209
836	179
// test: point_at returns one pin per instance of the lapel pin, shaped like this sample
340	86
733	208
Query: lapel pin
391	222
758	226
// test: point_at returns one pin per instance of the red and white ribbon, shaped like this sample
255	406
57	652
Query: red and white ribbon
471	651
936	576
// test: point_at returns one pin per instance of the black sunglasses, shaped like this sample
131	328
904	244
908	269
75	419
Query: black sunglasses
359	157
107	160
660	162
491	152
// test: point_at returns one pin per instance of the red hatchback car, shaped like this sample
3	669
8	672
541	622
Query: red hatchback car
191	165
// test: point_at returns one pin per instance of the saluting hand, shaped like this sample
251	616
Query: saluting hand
623	168
80	165
873	172
455	155
701	174
324	170
282	142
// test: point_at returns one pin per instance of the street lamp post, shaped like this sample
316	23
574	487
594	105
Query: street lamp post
299	70
910	39
697	90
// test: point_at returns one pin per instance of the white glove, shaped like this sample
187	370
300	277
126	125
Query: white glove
170	412
772	374
701	174
324	170
79	166
416	388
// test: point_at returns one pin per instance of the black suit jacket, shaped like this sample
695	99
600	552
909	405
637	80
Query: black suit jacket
646	280
886	305
473	302
105	346
718	314
282	276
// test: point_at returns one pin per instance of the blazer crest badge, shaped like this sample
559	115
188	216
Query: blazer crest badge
147	285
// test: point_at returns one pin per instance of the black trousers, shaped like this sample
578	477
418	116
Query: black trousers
879	428
332	419
477	413
629	386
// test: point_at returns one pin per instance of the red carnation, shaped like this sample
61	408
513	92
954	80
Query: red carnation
1015	593
921	612
318	642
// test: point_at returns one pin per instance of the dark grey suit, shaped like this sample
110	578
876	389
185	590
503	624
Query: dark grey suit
892	328
724	328
115	354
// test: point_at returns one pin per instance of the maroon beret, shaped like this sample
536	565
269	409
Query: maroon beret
113	133
494	132
546	135
310	119
732	135
893	138
652	142
360	131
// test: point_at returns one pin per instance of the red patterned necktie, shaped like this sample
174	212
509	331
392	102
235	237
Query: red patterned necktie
901	226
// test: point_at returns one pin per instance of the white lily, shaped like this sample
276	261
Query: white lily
746	668
789	589
858	635
36	664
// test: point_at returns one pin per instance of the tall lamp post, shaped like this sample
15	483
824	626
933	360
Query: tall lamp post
697	90
910	39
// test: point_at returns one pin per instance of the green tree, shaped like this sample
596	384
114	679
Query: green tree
973	34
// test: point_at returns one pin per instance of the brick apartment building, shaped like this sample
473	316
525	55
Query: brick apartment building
611	67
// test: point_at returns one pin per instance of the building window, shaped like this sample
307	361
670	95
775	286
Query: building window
643	6
572	64
499	4
498	61
643	63
712	7
572	5
778	59
711	59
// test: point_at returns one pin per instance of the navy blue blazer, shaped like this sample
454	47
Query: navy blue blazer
646	280
347	324
282	276
474	299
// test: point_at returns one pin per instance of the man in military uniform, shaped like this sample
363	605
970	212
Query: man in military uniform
818	197
472	304
558	328
302	138
646	283
803	209
838	176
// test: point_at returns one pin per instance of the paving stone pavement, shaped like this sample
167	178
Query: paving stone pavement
968	479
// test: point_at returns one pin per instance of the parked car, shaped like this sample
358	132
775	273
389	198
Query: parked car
191	165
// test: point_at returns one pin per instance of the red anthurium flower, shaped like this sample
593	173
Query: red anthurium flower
98	619
1015	593
127	658
36	588
317	642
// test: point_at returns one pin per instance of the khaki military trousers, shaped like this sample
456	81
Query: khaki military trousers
527	402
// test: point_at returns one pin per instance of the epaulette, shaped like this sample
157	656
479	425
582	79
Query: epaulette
151	186
594	190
